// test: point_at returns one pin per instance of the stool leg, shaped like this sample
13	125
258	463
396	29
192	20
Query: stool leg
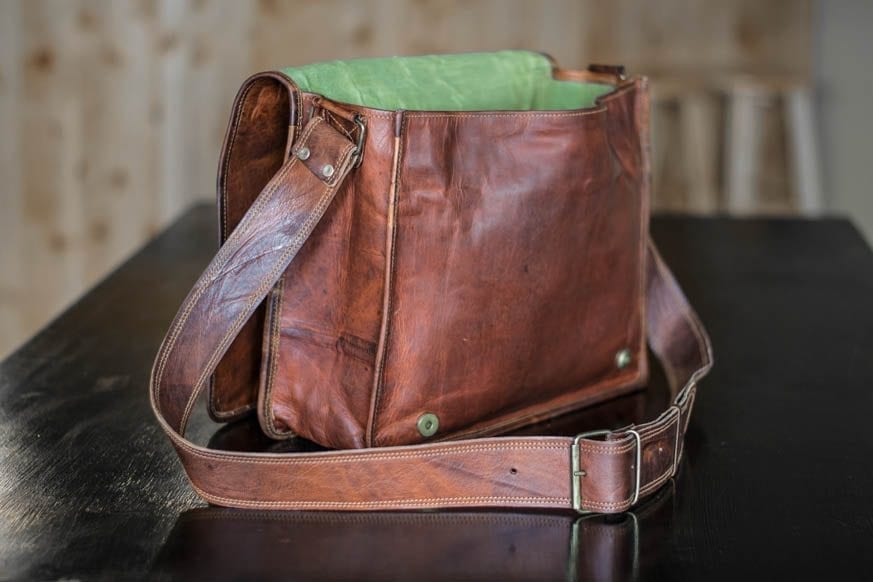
803	151
742	151
697	120
658	130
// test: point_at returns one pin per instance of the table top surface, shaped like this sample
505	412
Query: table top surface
777	479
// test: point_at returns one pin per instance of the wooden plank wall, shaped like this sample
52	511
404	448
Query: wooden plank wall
112	112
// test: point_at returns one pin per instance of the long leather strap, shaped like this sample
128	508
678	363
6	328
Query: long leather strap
607	474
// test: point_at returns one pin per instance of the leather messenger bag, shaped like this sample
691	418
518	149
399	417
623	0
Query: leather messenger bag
419	254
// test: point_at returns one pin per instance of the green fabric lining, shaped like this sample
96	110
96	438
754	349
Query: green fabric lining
505	80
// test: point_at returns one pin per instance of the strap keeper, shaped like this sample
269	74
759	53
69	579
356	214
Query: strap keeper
677	442
678	403
577	472
638	469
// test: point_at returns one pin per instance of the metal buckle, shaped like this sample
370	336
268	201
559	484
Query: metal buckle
577	472
358	153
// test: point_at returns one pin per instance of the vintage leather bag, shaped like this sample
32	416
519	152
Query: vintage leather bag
418	254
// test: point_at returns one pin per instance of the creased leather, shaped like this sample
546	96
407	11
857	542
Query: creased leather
253	151
517	274
607	273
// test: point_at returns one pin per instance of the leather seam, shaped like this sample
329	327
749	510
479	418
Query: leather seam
267	408
616	384
275	312
364	457
238	115
391	267
645	194
599	110
471	500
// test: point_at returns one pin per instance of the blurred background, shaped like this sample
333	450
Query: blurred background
113	112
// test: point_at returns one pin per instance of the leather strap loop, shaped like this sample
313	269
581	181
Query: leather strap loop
532	472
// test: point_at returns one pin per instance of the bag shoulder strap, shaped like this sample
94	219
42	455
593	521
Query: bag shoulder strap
606	474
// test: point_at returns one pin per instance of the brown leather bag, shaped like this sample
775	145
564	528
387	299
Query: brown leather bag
396	281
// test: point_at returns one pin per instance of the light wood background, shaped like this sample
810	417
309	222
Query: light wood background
112	113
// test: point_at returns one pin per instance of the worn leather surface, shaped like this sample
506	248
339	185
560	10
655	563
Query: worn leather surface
517	269
494	472
486	267
253	151
324	320
426	289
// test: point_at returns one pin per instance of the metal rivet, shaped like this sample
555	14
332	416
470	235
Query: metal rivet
327	171
303	153
623	358
428	424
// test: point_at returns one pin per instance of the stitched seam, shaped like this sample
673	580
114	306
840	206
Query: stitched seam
236	118
239	114
459	114
292	249
387	503
267	408
312	459
647	438
608	506
389	287
385	114
646	193
276	310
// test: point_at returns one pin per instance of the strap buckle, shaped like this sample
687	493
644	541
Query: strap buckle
577	472
358	152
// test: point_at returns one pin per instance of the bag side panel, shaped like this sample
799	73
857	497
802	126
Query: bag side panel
325	322
518	274
254	150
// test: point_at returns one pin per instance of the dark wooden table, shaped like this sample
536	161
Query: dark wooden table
777	481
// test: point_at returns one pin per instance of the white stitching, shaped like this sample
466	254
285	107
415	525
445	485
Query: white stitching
387	503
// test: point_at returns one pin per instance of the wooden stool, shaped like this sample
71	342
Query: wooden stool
742	154
700	140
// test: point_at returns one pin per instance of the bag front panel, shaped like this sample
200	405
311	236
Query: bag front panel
324	320
517	270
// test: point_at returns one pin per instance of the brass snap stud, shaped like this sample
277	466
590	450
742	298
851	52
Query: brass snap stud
623	358
327	171
428	424
303	153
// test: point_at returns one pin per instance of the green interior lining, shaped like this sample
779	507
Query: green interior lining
506	80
